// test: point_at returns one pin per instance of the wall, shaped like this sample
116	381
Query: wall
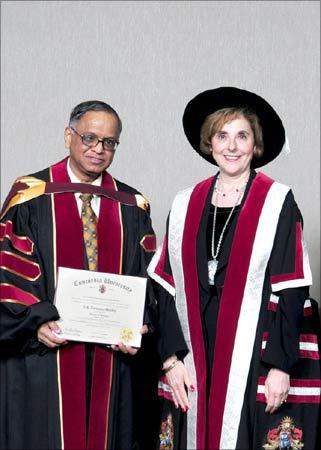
148	59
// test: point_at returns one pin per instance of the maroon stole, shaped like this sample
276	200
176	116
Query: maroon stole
230	305
231	300
71	359
189	261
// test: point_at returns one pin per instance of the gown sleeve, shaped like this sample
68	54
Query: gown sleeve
24	302
139	244
171	339
170	335
290	277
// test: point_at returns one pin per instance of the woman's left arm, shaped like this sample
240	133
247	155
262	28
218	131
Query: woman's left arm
282	347
290	277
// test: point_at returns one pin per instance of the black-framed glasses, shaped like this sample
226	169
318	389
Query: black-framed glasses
91	140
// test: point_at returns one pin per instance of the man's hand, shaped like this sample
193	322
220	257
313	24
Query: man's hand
277	386
48	334
127	348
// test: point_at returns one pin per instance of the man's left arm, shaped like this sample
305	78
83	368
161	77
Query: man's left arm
139	248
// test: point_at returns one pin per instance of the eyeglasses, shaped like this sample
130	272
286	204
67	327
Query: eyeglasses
91	140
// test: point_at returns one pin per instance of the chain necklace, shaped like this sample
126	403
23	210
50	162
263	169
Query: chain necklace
212	264
226	194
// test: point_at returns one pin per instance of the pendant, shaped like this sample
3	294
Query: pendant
212	266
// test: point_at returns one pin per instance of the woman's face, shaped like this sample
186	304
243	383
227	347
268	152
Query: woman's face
233	146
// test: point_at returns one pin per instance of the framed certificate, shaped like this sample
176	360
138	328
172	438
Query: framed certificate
100	307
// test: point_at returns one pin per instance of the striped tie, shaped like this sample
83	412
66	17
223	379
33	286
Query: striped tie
89	221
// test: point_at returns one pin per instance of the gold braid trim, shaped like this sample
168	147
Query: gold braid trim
142	202
35	188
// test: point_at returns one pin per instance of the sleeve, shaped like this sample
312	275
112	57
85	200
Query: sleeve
170	335
24	302
290	277
146	249
160	268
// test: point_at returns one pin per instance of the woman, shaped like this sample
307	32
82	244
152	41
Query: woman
238	334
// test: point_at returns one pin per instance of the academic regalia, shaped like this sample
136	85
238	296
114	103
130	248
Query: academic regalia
256	316
43	391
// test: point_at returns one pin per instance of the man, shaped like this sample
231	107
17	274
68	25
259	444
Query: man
57	394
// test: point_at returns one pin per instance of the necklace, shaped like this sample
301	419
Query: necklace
232	191
212	264
226	194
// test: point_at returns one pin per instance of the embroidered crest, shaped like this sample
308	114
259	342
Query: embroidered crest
286	436
166	438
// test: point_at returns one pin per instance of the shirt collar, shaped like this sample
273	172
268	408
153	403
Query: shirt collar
74	179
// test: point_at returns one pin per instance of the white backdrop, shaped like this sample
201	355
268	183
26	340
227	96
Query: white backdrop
148	59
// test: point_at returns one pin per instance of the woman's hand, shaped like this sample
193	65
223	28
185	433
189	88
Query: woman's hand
178	378
277	385
127	348
48	334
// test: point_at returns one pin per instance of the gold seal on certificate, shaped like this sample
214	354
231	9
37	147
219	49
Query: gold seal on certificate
126	335
100	307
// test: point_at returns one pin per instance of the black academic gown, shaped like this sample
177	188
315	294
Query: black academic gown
43	402
285	318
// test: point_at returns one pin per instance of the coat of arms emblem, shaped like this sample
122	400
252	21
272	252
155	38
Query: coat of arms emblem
102	288
285	437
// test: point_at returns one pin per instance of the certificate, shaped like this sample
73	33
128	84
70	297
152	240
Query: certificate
100	307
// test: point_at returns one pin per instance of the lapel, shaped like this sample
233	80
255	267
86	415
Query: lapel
201	250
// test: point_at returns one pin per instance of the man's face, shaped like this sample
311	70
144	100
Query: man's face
87	163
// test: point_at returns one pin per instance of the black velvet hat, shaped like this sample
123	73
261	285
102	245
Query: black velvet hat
208	102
